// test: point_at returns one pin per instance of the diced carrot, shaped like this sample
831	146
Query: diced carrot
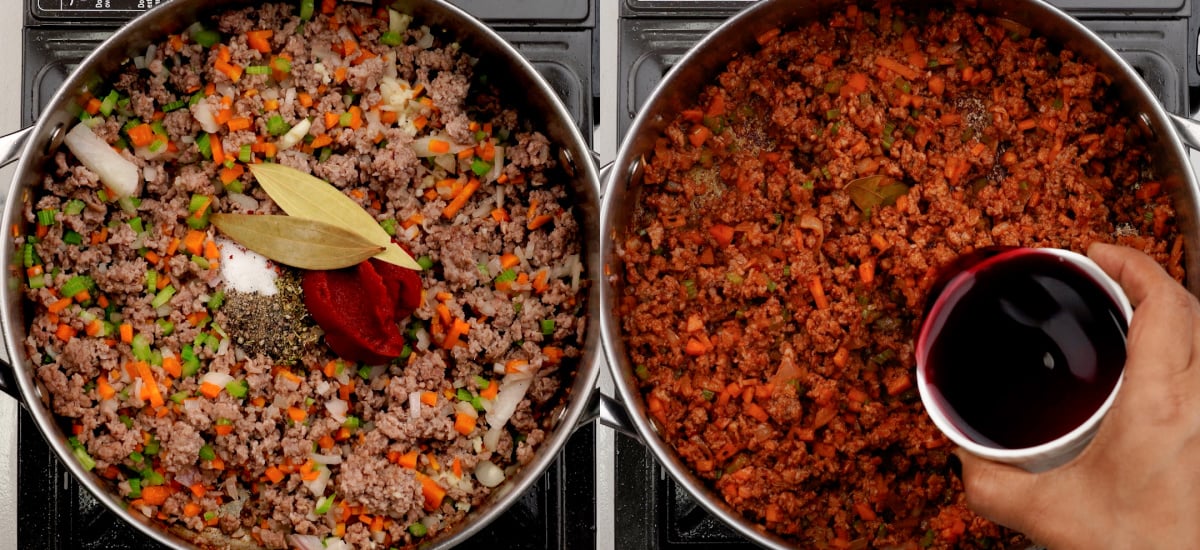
461	198
141	135
234	72
699	135
197	317
841	357
500	215
104	389
439	146
754	410
331	121
149	383
321	141
305	99
409	460
59	305
1147	190
156	495
274	474
432	492
866	271
297	414
456	467
193	242
239	123
491	391
897	67
217	463
210	250
198	489
695	347
172	365
191	510
94	328
339	75
260	40
458	329
429	398
768	36
92	106
818	292
325	442
218	153
554	354
464	423
210	390
356	117
865	511
539	283
937	85
420	122
126	332
223	429
538	221
857	82
899	384
722	233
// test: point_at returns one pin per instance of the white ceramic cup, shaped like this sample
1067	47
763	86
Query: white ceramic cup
1037	458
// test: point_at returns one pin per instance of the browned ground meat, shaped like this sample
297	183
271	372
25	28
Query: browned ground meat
771	292
301	443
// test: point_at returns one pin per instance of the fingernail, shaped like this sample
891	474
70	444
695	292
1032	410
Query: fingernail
955	465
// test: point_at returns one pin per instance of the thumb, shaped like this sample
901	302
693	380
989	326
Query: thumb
1007	495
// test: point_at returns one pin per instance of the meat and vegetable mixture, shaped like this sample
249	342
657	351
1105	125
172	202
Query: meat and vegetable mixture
189	371
792	221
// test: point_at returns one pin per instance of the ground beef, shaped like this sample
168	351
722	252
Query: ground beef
791	222
200	405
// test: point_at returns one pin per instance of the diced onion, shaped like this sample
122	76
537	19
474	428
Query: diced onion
414	404
512	391
216	378
317	486
497	166
337	409
488	474
295	135
204	115
306	542
421	145
465	407
245	202
326	459
117	173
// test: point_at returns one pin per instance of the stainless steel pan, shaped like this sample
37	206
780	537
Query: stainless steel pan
701	65
524	88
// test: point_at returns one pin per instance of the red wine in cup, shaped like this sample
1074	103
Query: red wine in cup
1028	349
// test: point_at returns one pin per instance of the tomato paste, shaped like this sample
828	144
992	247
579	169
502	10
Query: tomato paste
359	308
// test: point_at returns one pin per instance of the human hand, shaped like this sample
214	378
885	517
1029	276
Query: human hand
1136	484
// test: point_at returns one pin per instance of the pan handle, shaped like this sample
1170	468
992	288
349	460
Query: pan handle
12	144
609	412
1188	130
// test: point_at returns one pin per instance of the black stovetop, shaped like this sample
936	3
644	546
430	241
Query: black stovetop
562	38
558	36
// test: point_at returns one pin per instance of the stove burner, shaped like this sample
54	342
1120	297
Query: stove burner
559	39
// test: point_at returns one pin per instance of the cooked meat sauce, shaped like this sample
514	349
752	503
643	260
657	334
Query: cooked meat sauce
205	397
792	220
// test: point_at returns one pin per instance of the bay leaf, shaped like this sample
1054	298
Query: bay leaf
872	191
306	196
298	242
